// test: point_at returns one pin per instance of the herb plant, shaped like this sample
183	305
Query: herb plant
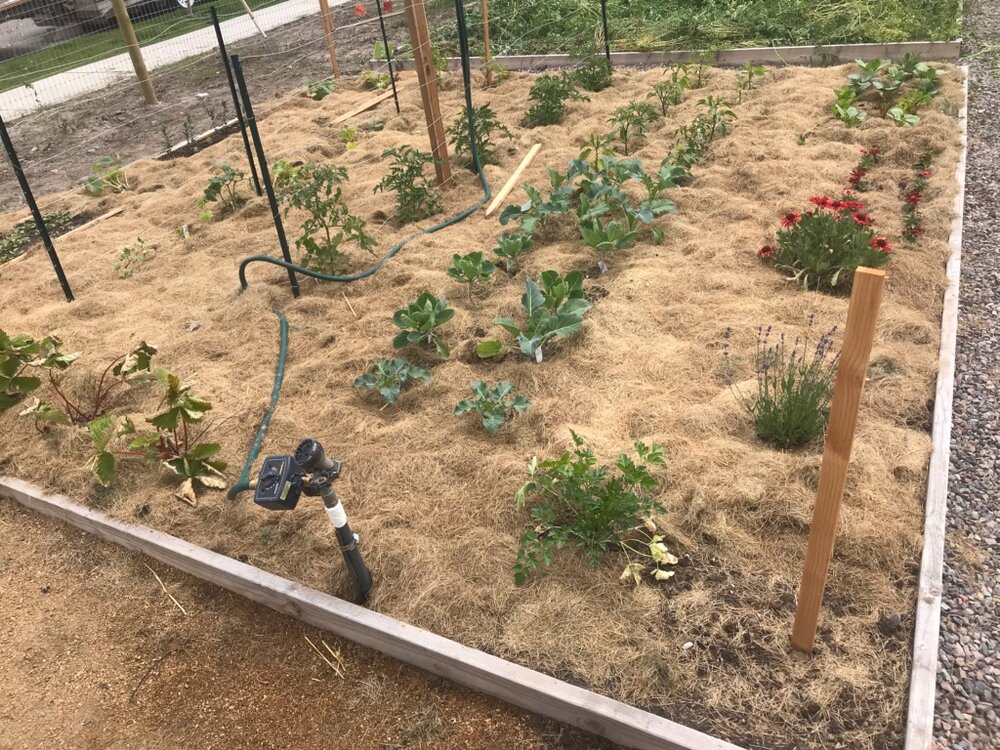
794	387
574	501
390	376
632	121
131	257
416	196
487	125
418	323
316	189
495	404
469	269
544	323
549	95
823	247
107	173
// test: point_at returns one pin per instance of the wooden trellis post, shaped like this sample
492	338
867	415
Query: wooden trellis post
861	317
331	46
486	44
134	50
416	20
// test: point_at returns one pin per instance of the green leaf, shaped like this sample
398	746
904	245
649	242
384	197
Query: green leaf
490	348
204	450
102	430
105	468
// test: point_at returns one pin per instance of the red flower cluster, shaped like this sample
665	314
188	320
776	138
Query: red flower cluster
789	220
831	204
914	197
881	244
767	251
359	10
870	152
925	173
862	219
857	175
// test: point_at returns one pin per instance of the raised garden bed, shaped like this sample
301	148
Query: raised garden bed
433	495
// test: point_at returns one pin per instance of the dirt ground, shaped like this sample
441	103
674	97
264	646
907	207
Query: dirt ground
432	495
96	655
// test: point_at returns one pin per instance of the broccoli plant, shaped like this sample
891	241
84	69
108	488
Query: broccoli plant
21	355
510	247
319	90
131	257
107	173
494	404
607	238
223	188
487	125
316	189
632	121
470	268
557	290
418	323
416	197
543	324
594	74
550	94
390	377
595	508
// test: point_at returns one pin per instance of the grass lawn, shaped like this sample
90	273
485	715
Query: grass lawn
101	44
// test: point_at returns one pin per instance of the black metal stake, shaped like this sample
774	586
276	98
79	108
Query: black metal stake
262	160
388	54
236	99
607	37
43	231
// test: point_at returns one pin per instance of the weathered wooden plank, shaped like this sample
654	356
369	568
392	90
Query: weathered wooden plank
480	671
512	180
923	678
363	108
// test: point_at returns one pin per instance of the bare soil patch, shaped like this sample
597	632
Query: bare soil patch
432	495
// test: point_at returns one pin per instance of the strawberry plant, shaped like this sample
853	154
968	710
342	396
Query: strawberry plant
390	377
594	74
495	404
418	323
487	125
223	188
823	247
107	173
416	197
510	247
574	501
632	121
20	357
794	387
131	257
668	93
543	324
319	90
469	269
550	94
316	189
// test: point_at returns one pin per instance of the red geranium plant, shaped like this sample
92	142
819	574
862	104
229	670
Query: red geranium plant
821	248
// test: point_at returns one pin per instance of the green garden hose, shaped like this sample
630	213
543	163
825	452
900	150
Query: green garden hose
243	483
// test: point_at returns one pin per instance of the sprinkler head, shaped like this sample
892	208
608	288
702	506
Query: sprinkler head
310	456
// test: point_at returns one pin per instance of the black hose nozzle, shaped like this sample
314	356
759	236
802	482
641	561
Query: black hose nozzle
311	456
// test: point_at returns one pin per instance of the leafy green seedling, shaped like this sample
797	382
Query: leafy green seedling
850	116
223	188
470	268
131	257
319	90
510	247
607	238
594	74
542	324
668	93
745	79
107	174
390	376
557	290
495	404
349	136
487	125
380	51
416	196
901	118
418	323
632	121
375	81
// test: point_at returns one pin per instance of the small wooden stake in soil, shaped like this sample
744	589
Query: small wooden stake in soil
486	44
363	108
861	318
416	20
134	50
509	185
324	9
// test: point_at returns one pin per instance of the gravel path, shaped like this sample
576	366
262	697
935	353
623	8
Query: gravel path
968	702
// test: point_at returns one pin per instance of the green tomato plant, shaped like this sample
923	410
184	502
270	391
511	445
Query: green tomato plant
223	188
390	377
632	121
416	196
495	404
418	323
549	95
594	74
668	93
487	126
469	269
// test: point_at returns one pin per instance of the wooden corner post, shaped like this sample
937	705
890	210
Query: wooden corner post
862	315
134	50
331	46
416	20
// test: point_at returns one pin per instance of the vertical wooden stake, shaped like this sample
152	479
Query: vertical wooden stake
134	50
486	44
324	9
861	317
416	20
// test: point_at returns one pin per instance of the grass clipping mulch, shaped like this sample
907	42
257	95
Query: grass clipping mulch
433	496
